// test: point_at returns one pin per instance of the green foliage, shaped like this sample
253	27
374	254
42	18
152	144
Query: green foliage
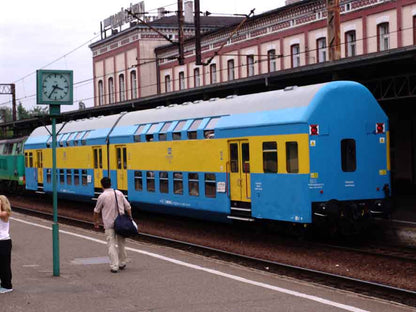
22	113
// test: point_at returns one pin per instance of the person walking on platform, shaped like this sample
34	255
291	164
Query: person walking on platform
5	246
106	205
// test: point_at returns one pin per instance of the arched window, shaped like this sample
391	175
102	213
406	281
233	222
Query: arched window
197	78
110	90
230	70
213	73
168	87
271	60
321	50
122	87
181	80
250	65
295	55
133	84
383	37
100	93
350	43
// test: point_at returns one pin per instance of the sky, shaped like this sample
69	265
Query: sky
55	34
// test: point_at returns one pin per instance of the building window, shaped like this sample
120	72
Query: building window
210	185
197	78
181	80
414	29
122	86
270	157
350	43
295	55
133	84
100	93
230	70
168	87
321	50
250	65
110	90
292	160
193	184
271	60
383	36
163	182
178	183
213	73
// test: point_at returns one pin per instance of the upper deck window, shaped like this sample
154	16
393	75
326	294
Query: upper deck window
177	131
138	132
165	128
192	129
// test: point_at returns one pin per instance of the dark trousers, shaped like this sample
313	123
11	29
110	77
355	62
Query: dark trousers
5	263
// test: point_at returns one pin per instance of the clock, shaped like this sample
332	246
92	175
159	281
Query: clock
54	87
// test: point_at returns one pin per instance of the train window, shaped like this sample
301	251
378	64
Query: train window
1	149
234	157
30	160
269	157
69	138
192	129
162	134
84	177
209	129
138	132
292	159
77	137
68	177
348	155
138	181
63	139
177	131
178	183
210	185
76	177
164	182
150	181
149	135
19	147
8	149
245	154
61	176
193	184
49	142
48	176
84	138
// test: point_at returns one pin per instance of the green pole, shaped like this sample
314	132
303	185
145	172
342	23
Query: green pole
54	111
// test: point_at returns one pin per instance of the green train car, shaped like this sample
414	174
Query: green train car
12	164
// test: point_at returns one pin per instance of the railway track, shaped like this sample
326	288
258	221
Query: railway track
379	290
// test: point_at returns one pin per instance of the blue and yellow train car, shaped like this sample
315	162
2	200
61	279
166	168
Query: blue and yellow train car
299	155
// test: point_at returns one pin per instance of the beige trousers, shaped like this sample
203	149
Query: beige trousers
116	249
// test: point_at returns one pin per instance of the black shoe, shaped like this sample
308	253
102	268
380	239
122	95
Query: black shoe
122	267
114	271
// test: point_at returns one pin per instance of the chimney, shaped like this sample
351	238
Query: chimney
189	12
160	13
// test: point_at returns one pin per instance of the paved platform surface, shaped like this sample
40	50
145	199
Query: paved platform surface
156	279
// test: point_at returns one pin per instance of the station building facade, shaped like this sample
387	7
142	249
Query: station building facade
286	38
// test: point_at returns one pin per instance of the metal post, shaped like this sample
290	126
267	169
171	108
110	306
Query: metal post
13	90
181	57
54	111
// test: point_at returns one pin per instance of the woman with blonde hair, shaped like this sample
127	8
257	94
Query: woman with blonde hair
5	246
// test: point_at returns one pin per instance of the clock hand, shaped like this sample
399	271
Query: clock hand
59	88
53	90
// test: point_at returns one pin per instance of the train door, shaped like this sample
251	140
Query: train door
240	192
98	166
121	157
39	165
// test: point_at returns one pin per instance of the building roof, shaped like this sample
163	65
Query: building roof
206	21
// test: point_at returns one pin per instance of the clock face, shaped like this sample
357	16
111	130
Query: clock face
55	87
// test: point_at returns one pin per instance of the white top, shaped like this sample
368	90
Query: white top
4	230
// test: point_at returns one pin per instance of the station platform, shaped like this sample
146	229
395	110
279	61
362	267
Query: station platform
157	278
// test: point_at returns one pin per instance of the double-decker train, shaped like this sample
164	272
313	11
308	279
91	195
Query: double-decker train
299	155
